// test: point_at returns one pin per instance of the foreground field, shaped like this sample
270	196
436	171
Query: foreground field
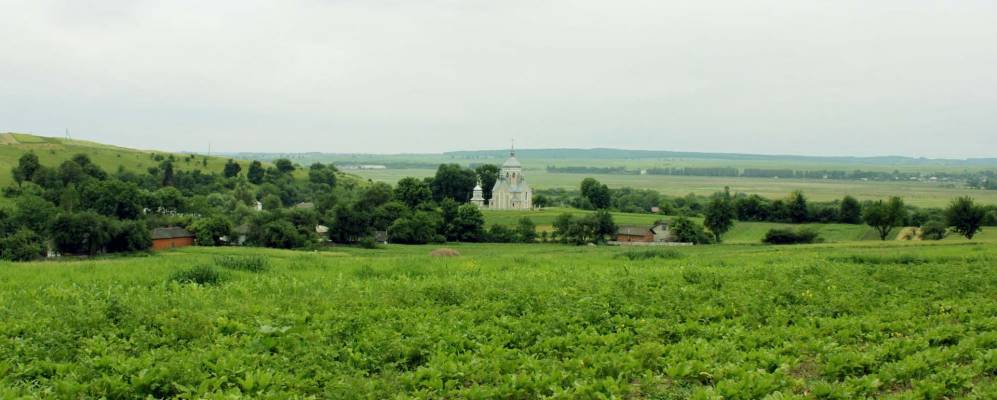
922	194
510	321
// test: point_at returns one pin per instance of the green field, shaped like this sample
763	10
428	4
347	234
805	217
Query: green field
922	194
860	320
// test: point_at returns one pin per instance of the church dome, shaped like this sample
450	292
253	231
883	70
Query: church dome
512	162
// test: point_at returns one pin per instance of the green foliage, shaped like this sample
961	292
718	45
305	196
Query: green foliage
884	216
597	194
322	174
501	234
453	181
468	224
934	230
850	211
209	231
413	192
965	217
256	172
129	236
419	228
487	174
652	253
526	230
797	207
720	214
687	231
791	236
249	263
23	245
199	274
81	233
232	169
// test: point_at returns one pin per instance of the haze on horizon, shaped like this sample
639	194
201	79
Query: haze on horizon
808	77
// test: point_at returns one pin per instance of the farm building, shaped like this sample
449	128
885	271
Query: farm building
658	233
171	238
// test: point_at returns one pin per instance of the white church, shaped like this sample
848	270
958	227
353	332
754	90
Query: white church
511	192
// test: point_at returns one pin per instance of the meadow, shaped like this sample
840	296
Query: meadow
830	321
922	194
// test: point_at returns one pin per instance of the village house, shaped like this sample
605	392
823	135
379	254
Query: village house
658	233
171	238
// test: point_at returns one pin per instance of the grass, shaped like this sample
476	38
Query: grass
923	194
510	321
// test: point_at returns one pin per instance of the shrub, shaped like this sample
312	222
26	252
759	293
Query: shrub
789	236
130	236
646	254
200	274
687	231
244	263
934	230
367	242
501	234
23	245
81	233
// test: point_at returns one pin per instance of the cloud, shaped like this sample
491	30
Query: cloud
805	77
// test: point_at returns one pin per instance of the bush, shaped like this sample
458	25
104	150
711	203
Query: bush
687	231
81	233
23	245
934	230
646	254
130	236
367	242
789	236
244	263
501	234
200	274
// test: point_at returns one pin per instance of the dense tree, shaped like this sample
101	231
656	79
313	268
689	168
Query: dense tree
284	166
413	192
562	226
688	231
501	234
418	228
91	169
965	217
81	233
112	198
169	199
272	202
488	174
850	211
720	214
349	224
33	212
540	201
934	230
26	167
255	173
751	208
322	174
280	234
23	245
797	207
376	195
884	216
603	227
597	194
386	214
232	169
526	230
129	236
168	174
209	231
469	224
71	173
454	182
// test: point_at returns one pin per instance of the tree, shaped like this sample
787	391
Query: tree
33	212
965	217
602	225
81	233
284	166
26	167
469	224
349	224
596	193
322	174
376	195
501	234
386	214
279	234
168	174
488	174
797	204
934	230
850	211
23	245
719	214
232	169
255	173
454	182
413	192
271	202
169	199
112	198
540	201
884	216
129	236
210	230
562	226
688	231
419	228
72	173
89	167
751	208
526	230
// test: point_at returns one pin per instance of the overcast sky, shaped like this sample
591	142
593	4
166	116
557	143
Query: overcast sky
820	77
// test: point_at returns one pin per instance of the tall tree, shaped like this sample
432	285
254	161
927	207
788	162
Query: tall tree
454	182
323	174
256	172
284	166
469	224
851	210
26	167
720	214
488	174
413	192
526	230
168	174
884	216
965	217
596	193
798	212
232	169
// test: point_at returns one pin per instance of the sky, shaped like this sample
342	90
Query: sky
811	77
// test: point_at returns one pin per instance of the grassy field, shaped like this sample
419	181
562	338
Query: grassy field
742	232
832	321
915	193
